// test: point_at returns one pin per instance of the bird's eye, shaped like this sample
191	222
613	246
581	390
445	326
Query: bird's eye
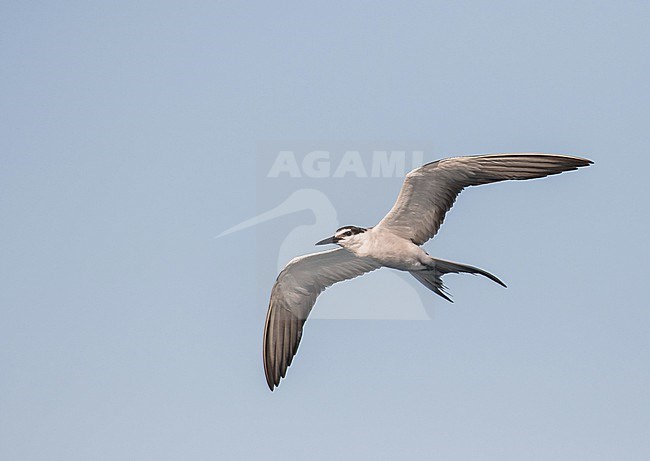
348	233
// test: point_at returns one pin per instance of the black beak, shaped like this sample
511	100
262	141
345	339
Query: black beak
326	241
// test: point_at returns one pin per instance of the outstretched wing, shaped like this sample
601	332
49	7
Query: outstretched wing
429	192
292	298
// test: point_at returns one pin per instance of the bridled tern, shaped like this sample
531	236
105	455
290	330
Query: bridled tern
427	194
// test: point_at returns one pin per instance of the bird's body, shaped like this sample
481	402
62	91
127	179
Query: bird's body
427	194
388	250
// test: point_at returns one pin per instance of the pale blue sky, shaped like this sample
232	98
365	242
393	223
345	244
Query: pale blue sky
128	141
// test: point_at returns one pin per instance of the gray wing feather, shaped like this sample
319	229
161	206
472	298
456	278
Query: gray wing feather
292	298
429	192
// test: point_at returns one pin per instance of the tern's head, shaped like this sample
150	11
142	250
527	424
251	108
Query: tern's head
345	236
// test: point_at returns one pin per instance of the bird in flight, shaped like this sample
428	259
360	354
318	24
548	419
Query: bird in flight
427	194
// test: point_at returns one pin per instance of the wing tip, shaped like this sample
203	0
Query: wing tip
270	382
574	159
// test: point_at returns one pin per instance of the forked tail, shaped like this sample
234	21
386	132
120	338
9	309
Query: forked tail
432	278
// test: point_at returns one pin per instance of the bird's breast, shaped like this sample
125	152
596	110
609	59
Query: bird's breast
392	251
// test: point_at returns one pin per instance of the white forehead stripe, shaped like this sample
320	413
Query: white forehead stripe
353	230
